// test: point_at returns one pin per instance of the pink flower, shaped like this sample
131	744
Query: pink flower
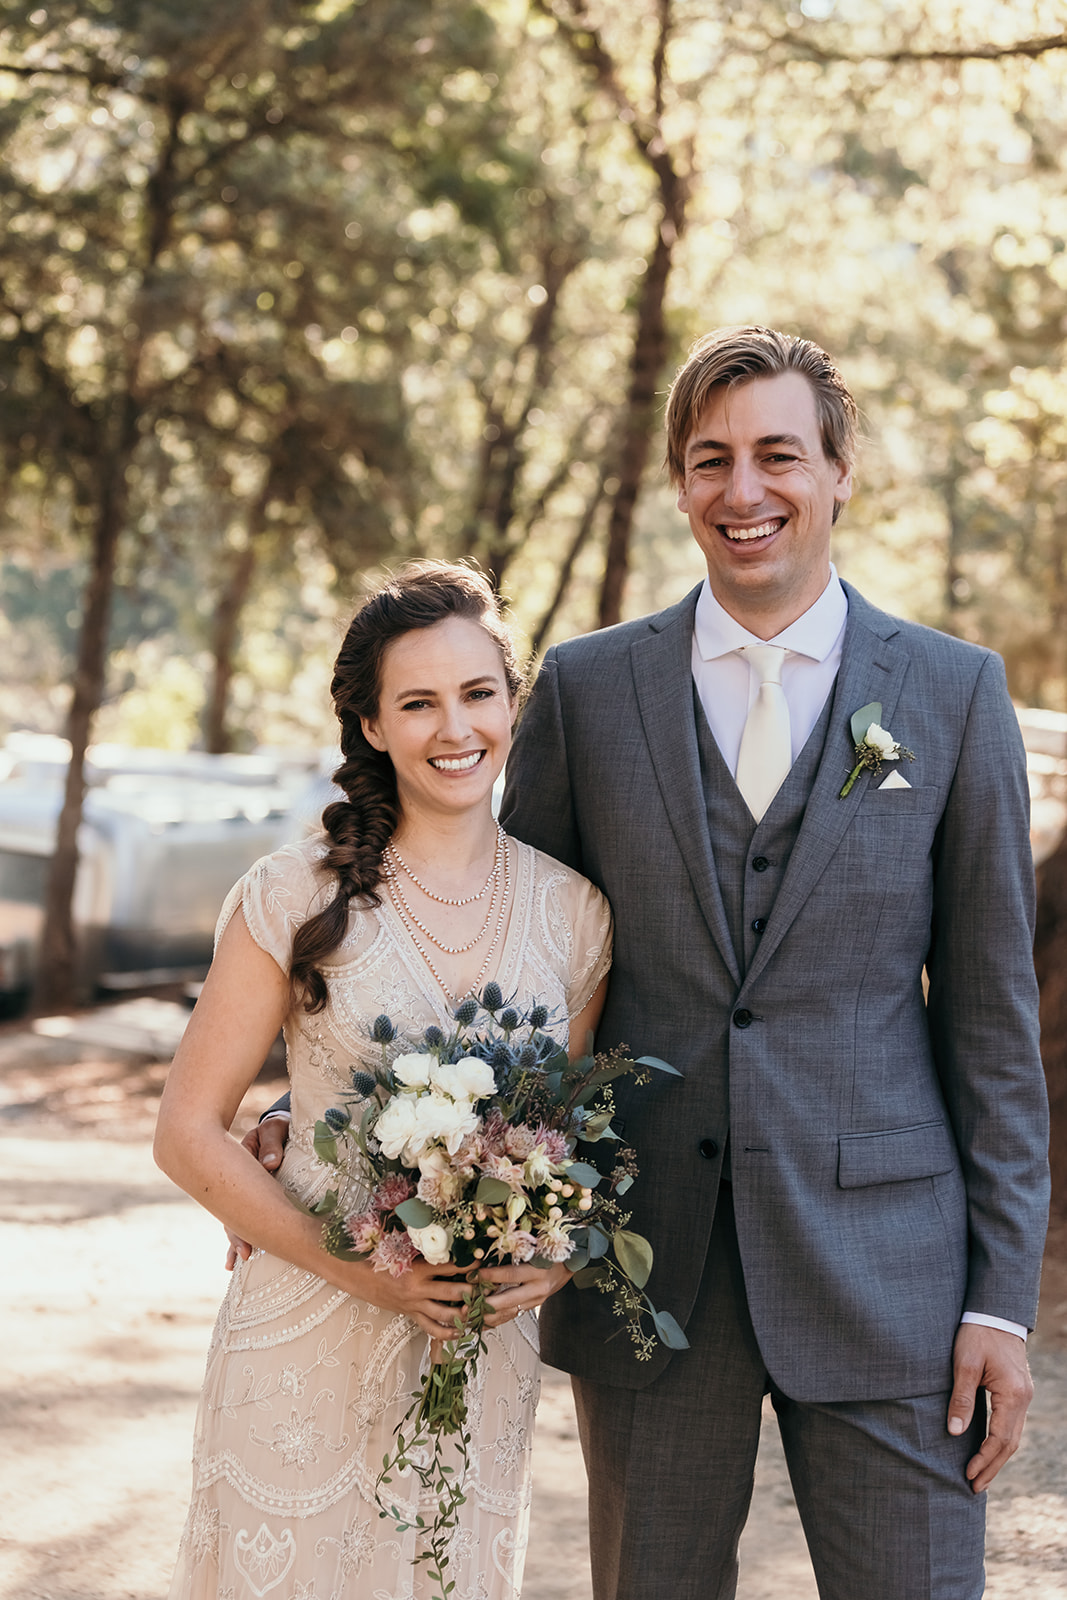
555	1245
520	1140
507	1171
554	1145
516	1243
394	1254
494	1134
392	1192
365	1230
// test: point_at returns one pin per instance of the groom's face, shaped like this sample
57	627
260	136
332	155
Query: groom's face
760	492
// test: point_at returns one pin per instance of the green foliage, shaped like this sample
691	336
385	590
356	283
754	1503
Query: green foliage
310	287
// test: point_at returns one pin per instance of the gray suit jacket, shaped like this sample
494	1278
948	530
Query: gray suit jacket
888	1151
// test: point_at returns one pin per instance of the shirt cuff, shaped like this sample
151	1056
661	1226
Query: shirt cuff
995	1322
288	1115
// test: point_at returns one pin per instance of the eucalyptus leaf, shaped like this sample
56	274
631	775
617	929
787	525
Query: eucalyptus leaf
660	1066
326	1144
624	1184
586	1278
598	1127
669	1331
328	1203
582	1173
491	1192
862	719
599	1243
634	1255
414	1213
576	1261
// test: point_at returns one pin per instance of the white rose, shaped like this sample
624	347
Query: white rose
414	1070
432	1242
449	1121
433	1162
878	739
475	1079
396	1125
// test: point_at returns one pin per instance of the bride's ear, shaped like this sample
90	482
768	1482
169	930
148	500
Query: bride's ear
371	732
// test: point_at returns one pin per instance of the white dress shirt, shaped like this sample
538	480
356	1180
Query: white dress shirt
728	684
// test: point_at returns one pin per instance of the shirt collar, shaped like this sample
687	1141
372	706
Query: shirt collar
814	634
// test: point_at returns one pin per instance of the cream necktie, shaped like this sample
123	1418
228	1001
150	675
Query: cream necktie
766	752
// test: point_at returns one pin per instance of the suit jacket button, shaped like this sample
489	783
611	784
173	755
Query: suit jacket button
759	924
760	864
708	1148
743	1018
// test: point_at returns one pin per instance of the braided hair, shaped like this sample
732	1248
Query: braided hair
360	826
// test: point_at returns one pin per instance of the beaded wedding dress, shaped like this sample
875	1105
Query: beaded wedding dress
305	1385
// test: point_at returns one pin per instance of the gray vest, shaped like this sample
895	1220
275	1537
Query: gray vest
751	857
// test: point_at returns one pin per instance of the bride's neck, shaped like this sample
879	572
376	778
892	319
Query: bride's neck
449	847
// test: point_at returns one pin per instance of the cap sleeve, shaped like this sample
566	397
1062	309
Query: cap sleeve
590	917
277	894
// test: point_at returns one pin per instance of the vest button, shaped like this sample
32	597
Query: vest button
708	1148
759	925
743	1018
760	864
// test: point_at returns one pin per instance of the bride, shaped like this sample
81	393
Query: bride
409	899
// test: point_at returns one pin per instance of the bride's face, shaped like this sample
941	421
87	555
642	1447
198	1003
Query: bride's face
444	716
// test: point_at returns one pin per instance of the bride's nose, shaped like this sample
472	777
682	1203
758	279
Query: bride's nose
455	723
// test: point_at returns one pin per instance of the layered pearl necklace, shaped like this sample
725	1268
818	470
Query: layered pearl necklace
497	886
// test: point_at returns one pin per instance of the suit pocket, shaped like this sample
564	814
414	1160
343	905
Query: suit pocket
895	1155
912	802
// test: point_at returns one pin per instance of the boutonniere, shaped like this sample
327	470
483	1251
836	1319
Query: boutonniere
873	743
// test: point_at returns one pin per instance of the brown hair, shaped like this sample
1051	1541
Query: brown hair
732	356
359	827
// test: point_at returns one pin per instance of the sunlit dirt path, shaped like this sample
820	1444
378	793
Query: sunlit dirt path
111	1281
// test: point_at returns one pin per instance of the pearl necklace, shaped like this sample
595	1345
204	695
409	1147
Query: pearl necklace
393	858
400	900
409	925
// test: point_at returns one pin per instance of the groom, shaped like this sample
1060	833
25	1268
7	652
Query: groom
847	1193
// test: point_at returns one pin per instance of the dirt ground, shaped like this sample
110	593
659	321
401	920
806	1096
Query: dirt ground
112	1278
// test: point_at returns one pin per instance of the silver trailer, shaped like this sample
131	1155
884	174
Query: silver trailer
163	837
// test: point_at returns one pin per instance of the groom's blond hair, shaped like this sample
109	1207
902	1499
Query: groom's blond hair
728	357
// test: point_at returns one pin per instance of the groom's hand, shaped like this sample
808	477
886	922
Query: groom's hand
990	1359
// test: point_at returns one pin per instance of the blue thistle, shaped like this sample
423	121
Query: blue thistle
503	1055
466	1012
538	1017
336	1119
528	1056
364	1084
492	998
509	1019
383	1031
433	1037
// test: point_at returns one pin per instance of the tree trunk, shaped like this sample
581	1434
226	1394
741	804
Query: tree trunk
1050	959
217	738
639	420
56	981
574	550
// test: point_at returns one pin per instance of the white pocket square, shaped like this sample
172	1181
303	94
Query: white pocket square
895	780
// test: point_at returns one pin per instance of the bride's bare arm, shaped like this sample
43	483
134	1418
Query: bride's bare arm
241	1007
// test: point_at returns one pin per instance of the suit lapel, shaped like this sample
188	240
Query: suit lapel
874	662
663	678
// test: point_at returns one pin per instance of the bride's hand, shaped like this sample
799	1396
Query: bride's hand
516	1289
433	1297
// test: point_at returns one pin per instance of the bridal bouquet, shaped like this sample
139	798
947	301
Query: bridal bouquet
464	1146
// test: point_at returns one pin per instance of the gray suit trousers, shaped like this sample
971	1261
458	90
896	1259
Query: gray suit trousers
880	1485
